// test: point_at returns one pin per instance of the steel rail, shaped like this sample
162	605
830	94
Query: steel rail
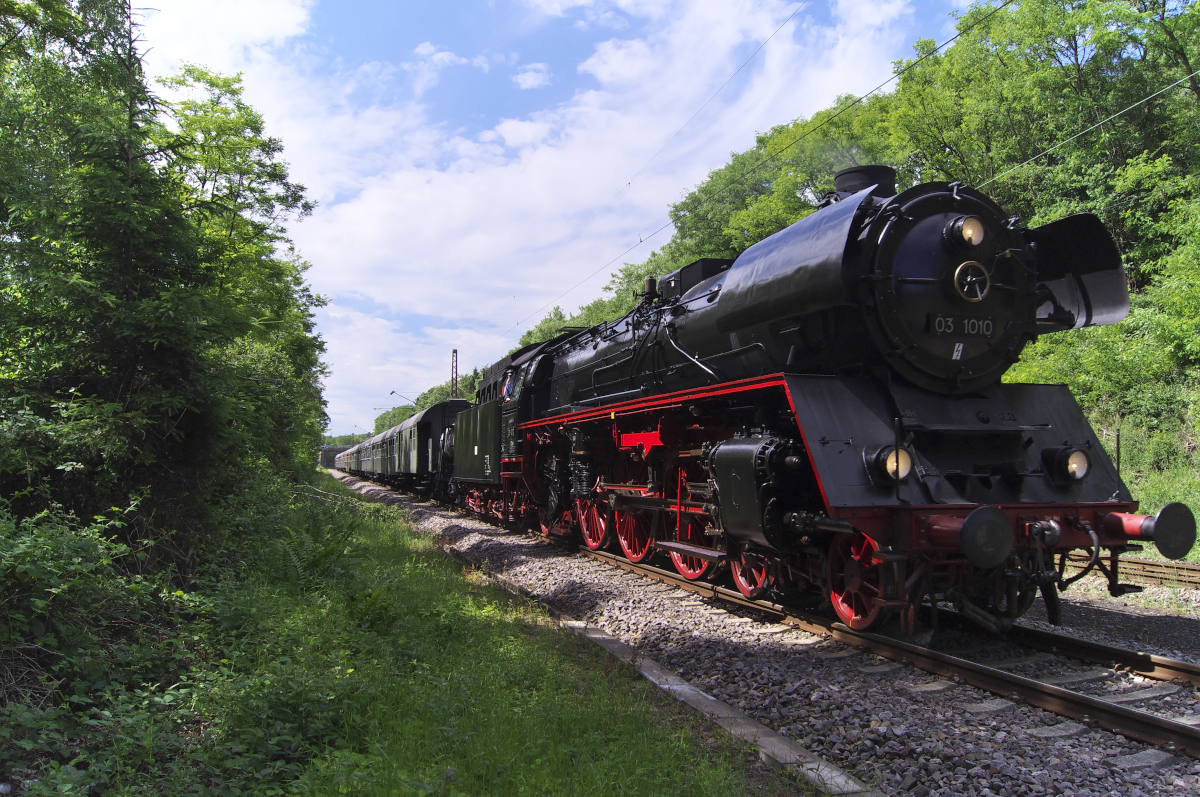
1145	664
1128	722
1131	723
1151	571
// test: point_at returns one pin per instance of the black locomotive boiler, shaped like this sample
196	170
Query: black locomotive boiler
826	414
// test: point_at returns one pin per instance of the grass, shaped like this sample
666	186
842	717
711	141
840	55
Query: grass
1158	466
445	685
334	652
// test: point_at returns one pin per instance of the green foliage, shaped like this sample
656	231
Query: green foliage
79	641
343	439
360	660
101	324
155	329
800	159
545	329
157	353
54	571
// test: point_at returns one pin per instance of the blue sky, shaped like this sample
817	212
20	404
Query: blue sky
455	149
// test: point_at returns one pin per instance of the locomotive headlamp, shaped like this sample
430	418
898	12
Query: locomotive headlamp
894	463
1067	464
966	231
971	230
1077	465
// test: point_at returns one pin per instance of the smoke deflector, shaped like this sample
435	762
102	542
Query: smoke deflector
1080	279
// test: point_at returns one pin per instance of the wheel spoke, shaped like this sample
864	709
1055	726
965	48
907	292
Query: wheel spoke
691	567
855	607
633	535
592	526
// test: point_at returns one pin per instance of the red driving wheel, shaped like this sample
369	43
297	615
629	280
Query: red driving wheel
856	579
691	567
633	533
592	525
751	574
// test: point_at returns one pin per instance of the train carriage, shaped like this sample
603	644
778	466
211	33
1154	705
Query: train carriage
409	455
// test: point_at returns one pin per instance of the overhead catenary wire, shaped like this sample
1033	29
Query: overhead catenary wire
636	216
1047	151
766	157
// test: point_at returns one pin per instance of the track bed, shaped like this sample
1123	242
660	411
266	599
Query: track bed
887	723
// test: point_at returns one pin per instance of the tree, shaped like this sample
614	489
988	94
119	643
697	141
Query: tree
393	417
103	319
155	330
237	193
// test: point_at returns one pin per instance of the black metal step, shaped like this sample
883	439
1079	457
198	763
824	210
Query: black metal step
694	551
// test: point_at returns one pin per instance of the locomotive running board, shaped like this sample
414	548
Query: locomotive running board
658	402
694	551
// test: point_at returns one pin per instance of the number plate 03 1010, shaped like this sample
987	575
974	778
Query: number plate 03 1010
960	326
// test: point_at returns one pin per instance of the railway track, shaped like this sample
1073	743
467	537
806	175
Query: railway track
1052	694
1151	571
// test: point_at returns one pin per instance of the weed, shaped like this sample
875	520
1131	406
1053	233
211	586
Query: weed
352	656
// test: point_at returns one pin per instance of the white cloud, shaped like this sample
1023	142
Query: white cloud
598	9
432	61
429	238
532	76
221	34
521	133
616	62
374	356
484	221
558	8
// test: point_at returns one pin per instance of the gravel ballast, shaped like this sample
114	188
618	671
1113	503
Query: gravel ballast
893	726
1161	620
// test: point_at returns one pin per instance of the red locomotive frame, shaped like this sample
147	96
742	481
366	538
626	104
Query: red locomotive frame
895	555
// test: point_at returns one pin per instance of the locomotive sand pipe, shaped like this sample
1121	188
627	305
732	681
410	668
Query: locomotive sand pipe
825	413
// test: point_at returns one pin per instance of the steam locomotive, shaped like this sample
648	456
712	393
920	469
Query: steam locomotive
824	414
